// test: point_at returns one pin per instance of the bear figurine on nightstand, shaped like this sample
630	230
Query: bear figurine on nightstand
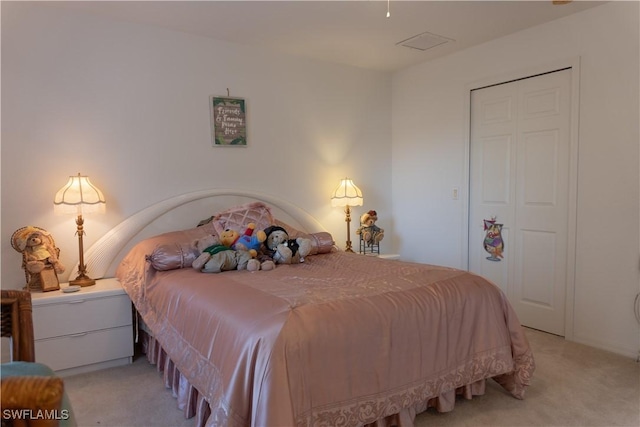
39	258
370	234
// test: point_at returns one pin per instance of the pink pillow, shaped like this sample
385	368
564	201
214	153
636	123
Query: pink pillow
322	242
175	249
170	256
237	218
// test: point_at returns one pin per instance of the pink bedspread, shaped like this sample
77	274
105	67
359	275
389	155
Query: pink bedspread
342	339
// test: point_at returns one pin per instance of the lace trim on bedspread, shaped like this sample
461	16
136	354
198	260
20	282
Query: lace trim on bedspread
368	410
517	381
398	409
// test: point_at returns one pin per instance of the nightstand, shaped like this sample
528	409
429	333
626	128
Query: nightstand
85	330
384	256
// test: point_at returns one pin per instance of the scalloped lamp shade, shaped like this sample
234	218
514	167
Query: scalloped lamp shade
347	193
79	196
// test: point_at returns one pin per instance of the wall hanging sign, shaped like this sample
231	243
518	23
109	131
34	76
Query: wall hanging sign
228	121
493	242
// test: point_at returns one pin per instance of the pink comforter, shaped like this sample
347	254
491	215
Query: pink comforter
342	339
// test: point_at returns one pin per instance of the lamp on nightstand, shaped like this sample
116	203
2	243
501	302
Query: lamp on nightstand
347	195
79	197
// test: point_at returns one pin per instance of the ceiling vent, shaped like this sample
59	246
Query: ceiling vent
424	41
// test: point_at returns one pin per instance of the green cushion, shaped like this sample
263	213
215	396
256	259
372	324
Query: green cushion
14	369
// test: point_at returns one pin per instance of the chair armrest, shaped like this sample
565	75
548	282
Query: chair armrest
32	400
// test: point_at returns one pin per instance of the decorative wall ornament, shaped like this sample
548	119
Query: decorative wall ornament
228	121
493	242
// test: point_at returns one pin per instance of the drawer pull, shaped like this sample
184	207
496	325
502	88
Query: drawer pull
81	334
78	301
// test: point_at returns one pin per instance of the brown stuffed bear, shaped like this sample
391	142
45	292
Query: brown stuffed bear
38	249
39	252
370	232
216	255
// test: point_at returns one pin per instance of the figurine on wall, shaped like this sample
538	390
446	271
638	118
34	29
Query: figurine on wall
371	234
493	242
39	258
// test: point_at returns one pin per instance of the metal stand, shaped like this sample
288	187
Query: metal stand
369	248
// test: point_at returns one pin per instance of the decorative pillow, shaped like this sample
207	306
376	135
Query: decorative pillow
237	218
322	242
171	256
175	249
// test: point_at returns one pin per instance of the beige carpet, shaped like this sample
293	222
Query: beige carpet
574	385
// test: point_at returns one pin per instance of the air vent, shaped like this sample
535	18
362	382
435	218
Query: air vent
424	41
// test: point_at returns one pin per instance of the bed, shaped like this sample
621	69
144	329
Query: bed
339	340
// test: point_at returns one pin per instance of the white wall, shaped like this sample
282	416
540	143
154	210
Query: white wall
430	132
127	105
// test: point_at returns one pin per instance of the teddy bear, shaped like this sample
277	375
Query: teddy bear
216	257
283	250
39	253
371	234
251	241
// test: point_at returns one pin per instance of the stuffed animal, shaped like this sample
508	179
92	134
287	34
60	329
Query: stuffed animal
371	234
249	240
265	261
39	253
216	257
283	250
38	250
201	245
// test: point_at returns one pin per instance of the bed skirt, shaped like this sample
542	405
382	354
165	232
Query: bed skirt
193	404
189	400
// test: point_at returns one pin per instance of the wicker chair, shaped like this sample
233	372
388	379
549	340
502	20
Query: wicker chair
17	324
25	397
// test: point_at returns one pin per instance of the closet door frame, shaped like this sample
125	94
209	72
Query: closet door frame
574	65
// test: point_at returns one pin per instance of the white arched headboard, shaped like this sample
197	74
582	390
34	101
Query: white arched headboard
102	254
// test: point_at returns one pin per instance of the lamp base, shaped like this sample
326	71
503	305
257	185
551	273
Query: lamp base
82	280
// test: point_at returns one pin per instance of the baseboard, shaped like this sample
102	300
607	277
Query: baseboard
94	367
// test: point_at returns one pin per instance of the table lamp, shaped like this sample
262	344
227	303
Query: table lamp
347	195
79	196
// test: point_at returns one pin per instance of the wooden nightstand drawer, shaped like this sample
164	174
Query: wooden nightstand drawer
86	348
80	314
